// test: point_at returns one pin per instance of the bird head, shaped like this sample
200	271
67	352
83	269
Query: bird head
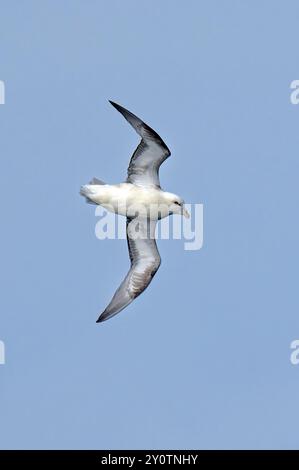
176	205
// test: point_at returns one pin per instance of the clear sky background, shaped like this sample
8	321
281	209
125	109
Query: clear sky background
202	358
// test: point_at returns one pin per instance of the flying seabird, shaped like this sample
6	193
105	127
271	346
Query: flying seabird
142	201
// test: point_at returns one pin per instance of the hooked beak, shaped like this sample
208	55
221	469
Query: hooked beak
186	213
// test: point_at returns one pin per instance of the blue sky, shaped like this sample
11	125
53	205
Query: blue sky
202	358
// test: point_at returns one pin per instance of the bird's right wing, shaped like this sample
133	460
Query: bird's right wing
145	262
151	152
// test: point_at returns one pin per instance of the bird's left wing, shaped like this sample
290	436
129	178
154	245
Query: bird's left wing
145	262
151	152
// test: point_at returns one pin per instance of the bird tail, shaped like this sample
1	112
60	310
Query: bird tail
96	181
88	191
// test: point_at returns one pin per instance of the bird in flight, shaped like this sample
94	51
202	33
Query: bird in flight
143	202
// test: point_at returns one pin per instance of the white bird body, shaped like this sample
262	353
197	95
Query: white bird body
142	201
128	199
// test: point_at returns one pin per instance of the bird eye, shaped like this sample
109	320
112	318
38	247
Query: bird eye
176	202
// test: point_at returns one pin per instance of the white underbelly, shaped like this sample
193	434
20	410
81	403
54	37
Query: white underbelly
131	201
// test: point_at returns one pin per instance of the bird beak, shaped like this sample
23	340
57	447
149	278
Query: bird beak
186	213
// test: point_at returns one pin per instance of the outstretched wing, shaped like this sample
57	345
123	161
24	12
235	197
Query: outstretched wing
145	262
144	166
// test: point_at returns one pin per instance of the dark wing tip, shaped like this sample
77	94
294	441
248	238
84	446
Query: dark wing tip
106	315
100	320
102	317
140	125
117	106
130	117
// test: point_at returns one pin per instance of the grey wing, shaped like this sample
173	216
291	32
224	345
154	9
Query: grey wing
145	262
144	165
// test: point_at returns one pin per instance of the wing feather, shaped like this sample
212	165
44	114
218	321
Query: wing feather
145	262
151	152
